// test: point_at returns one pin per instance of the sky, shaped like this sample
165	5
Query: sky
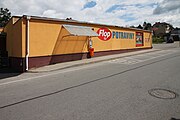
112	12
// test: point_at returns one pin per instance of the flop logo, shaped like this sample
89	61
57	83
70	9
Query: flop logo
104	34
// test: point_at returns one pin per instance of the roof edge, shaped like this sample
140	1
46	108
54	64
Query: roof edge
81	22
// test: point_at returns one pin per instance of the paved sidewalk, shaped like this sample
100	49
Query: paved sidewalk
60	66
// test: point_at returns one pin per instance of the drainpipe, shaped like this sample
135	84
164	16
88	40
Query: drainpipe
27	42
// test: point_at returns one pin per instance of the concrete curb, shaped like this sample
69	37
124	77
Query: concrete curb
89	62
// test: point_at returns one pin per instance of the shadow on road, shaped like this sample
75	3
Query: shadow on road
174	119
7	73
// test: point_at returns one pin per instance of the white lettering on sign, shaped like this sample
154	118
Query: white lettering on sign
104	34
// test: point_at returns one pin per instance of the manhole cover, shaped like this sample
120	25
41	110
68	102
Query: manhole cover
162	93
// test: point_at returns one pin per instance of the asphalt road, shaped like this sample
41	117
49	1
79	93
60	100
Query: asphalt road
110	90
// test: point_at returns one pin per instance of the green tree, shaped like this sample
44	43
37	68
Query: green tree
139	27
147	26
5	15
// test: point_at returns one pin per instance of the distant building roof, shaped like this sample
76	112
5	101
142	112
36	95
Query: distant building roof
162	23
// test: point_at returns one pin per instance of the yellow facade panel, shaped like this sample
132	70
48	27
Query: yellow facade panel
1	29
9	37
51	38
147	39
14	38
100	45
23	23
17	40
43	38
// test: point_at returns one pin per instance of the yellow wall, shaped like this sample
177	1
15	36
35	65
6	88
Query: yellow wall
43	37
17	39
69	44
9	38
147	39
117	44
50	38
113	43
47	38
14	38
1	29
23	32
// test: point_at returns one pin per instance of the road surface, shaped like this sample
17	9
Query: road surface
118	89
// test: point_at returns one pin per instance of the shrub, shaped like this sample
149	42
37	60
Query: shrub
157	40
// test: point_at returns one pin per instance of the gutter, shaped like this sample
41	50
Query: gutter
27	42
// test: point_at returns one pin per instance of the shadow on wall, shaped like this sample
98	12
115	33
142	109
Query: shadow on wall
69	48
7	73
66	48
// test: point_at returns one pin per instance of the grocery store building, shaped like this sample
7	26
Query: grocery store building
38	41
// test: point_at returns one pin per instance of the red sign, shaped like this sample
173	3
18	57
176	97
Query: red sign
139	39
104	34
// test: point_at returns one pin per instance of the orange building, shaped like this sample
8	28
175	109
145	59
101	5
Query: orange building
1	29
37	41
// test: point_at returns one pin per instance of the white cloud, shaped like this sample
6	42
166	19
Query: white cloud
52	13
168	6
135	12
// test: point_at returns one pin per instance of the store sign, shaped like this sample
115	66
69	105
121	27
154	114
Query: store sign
122	35
104	34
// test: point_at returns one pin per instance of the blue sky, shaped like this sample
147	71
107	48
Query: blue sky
112	12
89	4
122	7
115	7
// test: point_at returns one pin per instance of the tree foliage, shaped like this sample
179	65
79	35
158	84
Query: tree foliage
5	15
147	26
139	27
